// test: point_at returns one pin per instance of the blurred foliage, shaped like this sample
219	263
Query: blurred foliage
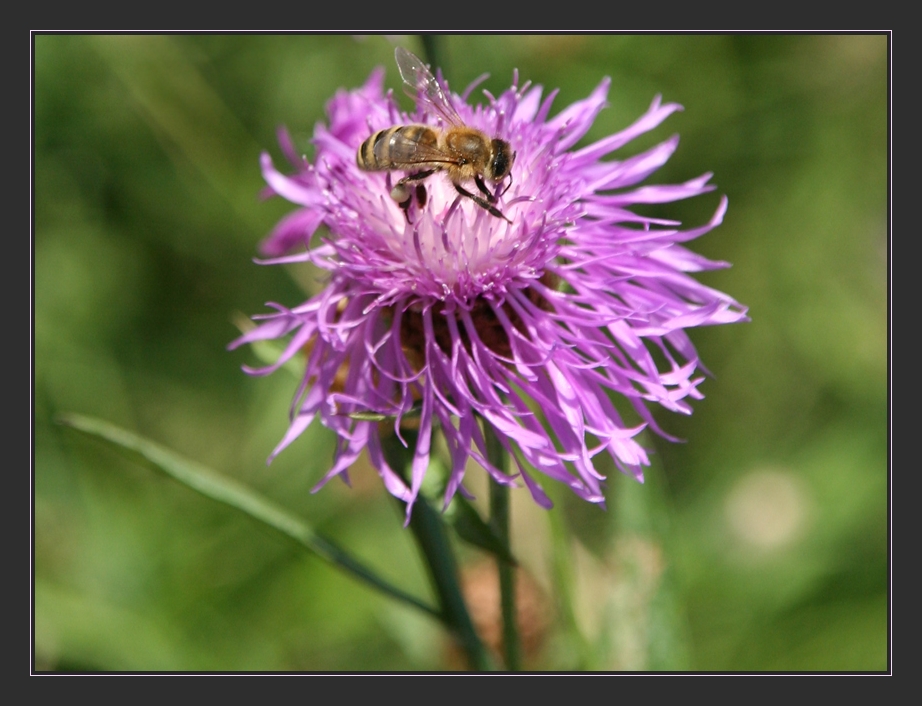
760	544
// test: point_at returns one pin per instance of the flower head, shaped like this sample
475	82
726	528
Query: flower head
527	320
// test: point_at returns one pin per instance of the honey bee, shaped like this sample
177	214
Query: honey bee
463	153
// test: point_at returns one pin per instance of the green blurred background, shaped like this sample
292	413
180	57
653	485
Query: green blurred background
760	544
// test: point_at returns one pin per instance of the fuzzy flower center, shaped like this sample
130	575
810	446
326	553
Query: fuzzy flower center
492	329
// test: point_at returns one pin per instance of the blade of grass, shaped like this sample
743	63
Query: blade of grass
240	497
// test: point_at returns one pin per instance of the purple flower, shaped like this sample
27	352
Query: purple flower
447	313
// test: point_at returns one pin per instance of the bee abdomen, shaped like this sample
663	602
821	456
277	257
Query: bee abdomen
372	155
395	147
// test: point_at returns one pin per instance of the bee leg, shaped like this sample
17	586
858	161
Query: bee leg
421	196
405	207
419	176
483	189
402	194
483	203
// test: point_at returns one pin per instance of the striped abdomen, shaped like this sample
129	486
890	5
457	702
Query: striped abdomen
400	147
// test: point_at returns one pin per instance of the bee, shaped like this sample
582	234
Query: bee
463	153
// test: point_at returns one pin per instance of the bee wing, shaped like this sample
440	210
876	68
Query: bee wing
426	90
405	152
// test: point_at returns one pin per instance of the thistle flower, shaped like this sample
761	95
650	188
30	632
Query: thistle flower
445	312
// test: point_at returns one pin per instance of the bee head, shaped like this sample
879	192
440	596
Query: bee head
501	164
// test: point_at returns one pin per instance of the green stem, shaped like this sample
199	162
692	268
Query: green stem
499	521
429	530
